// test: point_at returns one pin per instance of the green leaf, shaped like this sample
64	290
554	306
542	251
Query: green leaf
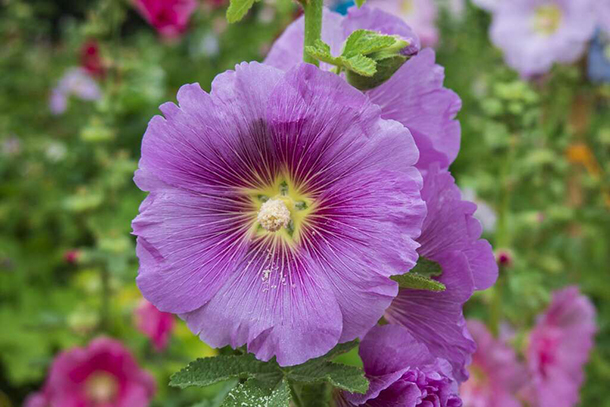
345	377
270	392
418	282
365	42
238	9
361	65
340	349
321	51
359	3
206	371
427	268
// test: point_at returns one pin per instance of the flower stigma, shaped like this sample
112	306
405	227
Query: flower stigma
547	19
274	215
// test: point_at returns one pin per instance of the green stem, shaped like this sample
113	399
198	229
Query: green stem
313	26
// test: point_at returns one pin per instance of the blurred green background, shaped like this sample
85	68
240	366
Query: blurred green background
535	155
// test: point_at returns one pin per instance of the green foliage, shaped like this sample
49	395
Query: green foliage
266	383
415	281
238	9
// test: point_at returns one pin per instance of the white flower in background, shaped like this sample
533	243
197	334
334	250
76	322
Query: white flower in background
484	214
56	151
75	82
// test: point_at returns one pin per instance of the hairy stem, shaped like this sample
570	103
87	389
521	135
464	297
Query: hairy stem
313	26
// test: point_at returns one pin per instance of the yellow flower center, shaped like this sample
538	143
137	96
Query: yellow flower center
281	210
547	19
101	388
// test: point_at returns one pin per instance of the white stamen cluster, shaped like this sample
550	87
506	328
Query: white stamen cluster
274	215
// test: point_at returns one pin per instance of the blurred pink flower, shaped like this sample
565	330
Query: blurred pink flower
559	348
169	17
420	15
495	374
104	374
91	59
155	324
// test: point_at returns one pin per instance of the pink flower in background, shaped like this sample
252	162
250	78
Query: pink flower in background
559	348
169	17
104	374
91	59
495	374
420	15
535	34
157	325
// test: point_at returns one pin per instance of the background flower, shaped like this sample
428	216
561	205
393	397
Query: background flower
279	206
558	349
495	374
102	374
534	34
157	325
420	15
169	17
75	82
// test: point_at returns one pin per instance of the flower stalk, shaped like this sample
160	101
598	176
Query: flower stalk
313	26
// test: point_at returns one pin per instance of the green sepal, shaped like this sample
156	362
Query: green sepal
386	67
420	276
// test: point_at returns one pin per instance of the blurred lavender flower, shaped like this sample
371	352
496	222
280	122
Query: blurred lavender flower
495	374
599	58
402	373
75	82
484	213
420	15
535	34
559	347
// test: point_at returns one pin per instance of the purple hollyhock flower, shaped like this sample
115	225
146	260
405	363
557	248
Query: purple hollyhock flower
102	374
450	237
559	347
534	34
414	96
402	373
420	15
495	374
156	325
280	204
169	17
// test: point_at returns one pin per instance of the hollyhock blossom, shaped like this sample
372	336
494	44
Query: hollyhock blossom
495	374
559	347
169	17
402	373
413	96
450	237
157	325
75	82
534	34
280	204
420	15
102	374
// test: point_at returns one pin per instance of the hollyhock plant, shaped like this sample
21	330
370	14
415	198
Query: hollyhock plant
169	17
559	347
420	15
102	374
451	237
413	96
75	82
402	373
156	325
535	34
496	376
280	204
